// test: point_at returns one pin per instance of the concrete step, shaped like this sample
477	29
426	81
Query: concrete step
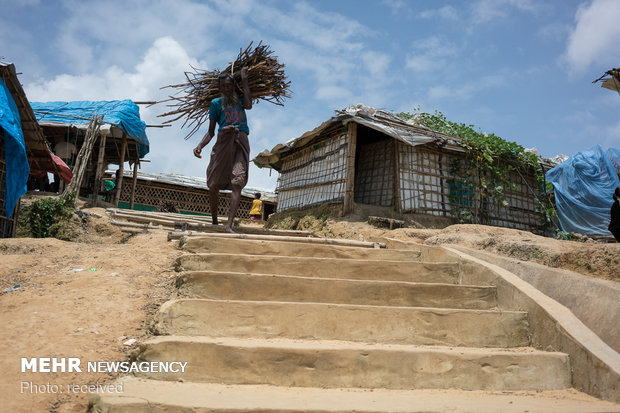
322	267
334	364
314	321
297	249
140	395
264	287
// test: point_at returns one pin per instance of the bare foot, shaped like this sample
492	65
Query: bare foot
229	230
215	222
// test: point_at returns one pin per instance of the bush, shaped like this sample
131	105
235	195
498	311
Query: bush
50	217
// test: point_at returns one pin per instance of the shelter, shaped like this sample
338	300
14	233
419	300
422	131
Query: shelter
187	194
23	148
367	156
583	187
122	136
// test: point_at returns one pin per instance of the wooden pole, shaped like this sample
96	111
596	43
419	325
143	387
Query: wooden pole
397	202
268	237
84	156
349	194
100	160
133	182
121	165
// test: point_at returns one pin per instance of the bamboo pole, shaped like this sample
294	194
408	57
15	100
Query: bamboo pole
397	201
121	165
307	240
100	159
133	183
349	194
146	217
84	155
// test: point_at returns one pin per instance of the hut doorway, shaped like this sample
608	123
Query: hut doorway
374	168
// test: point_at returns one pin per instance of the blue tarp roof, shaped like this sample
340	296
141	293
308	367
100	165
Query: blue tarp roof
583	186
124	113
17	168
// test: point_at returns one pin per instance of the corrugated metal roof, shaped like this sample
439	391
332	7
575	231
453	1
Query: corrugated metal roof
194	182
407	131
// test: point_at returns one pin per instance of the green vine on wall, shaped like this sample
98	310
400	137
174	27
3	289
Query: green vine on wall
487	168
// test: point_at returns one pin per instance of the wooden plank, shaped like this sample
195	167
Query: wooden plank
283	238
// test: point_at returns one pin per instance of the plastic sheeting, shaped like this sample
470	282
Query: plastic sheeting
17	168
583	187
123	113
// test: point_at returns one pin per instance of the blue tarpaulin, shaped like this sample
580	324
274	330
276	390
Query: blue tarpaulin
583	186
123	113
17	168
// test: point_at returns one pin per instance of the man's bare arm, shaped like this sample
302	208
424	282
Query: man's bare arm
247	96
205	140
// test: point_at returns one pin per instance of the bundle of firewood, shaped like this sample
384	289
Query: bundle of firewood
191	102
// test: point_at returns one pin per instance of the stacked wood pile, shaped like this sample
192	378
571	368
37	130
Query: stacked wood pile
142	221
266	79
182	226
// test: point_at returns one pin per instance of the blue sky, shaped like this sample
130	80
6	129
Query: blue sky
521	69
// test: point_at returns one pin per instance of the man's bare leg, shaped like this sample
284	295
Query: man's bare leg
214	197
235	197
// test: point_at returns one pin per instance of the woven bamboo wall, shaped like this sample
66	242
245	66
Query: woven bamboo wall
315	174
184	198
428	186
7	226
374	172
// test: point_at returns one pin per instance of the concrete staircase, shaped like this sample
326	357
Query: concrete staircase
271	326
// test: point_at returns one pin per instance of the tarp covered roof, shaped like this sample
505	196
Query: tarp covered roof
583	187
26	150
121	114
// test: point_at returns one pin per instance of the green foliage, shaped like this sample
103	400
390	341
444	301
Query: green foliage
490	161
49	217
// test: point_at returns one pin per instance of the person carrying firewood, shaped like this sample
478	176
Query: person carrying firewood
229	163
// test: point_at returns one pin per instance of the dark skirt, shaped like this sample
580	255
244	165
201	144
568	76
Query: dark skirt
230	160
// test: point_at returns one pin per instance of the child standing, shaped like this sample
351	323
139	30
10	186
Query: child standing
256	213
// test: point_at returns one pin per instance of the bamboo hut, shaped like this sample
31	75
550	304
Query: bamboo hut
186	194
24	151
122	137
372	157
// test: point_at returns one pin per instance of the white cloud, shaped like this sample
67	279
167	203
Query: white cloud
339	95
430	54
397	7
164	63
96	34
445	12
594	41
377	63
465	91
488	10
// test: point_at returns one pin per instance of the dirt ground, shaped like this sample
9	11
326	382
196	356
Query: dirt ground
76	299
85	299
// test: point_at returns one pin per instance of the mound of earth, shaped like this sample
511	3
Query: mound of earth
586	257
